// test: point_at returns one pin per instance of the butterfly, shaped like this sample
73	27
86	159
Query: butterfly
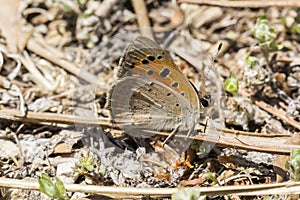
151	92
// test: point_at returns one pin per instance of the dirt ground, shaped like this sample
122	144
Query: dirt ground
72	111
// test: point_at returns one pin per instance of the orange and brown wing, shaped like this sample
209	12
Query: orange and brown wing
145	57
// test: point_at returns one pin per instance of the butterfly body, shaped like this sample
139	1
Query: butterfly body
151	92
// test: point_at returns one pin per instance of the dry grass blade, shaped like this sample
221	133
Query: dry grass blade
265	144
42	49
246	4
50	118
278	114
261	144
262	189
142	18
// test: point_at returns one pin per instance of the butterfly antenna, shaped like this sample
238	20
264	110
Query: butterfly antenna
212	62
217	53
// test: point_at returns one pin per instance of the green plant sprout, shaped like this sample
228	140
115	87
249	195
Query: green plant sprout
86	164
231	84
266	35
201	148
251	61
272	197
188	194
67	9
295	28
213	177
52	189
293	165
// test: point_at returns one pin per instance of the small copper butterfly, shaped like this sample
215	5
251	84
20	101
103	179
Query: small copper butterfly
152	93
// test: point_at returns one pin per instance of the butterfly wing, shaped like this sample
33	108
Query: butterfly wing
145	57
139	103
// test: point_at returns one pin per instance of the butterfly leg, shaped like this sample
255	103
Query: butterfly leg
171	134
205	125
188	134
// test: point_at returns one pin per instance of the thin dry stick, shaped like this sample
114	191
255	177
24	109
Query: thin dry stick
261	189
238	132
142	17
37	76
265	144
6	83
42	49
274	111
42	117
246	4
253	143
52	118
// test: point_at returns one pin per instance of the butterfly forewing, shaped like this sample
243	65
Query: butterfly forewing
145	57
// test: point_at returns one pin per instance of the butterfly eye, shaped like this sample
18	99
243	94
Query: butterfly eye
205	101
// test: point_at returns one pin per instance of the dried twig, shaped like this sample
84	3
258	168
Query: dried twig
245	142
238	132
246	4
51	118
142	17
37	76
42	49
255	143
5	83
261	189
274	111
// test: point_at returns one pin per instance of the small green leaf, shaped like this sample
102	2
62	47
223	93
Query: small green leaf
273	197
295	153
293	165
251	61
213	177
296	28
62	194
262	31
266	35
231	84
47	186
86	164
51	189
67	9
287	165
279	46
